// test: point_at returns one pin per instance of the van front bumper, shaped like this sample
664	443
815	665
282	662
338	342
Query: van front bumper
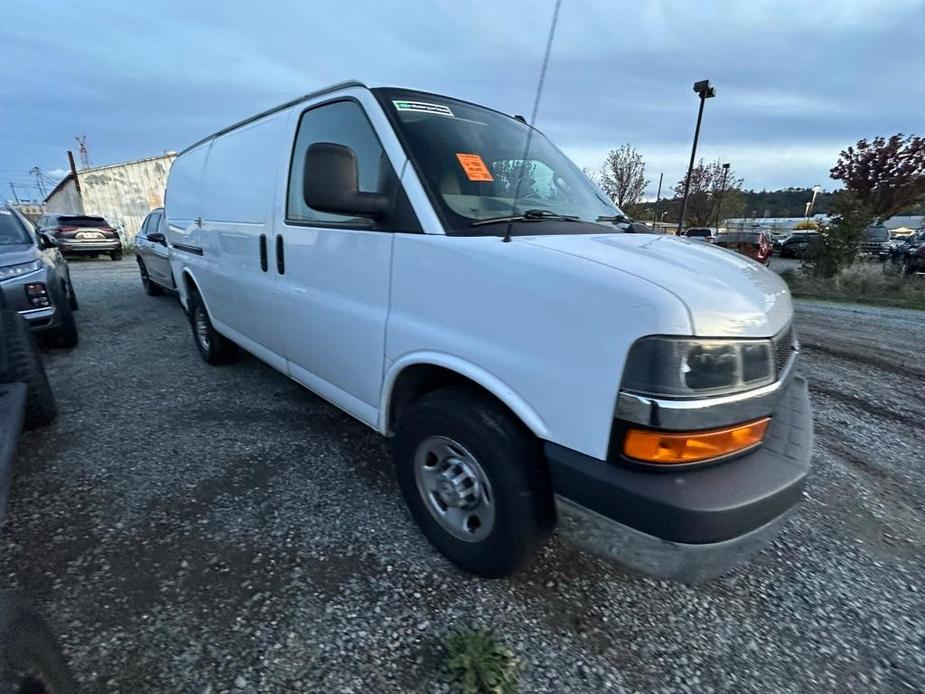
687	525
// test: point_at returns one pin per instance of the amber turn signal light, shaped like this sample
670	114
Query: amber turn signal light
672	447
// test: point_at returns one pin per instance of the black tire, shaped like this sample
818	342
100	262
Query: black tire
510	458
72	296
24	365
116	255
31	659
65	335
215	348
151	288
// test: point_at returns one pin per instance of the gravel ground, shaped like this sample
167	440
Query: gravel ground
188	528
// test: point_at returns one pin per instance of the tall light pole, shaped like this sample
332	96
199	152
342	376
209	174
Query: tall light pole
722	189
704	91
812	203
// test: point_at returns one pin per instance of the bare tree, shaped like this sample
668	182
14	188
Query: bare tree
592	175
623	176
703	196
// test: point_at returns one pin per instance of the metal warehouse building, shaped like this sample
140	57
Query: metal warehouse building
122	193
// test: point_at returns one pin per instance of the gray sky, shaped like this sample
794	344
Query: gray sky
796	81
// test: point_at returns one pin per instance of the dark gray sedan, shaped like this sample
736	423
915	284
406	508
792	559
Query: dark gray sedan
36	280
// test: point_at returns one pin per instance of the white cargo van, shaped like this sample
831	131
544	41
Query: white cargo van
397	253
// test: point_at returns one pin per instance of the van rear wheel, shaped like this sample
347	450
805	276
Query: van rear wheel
214	348
474	480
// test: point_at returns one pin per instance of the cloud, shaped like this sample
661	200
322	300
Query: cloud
796	81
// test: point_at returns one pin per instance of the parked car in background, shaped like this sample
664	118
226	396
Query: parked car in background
900	247
364	242
778	236
36	279
914	255
799	242
700	234
78	234
754	244
152	254
875	243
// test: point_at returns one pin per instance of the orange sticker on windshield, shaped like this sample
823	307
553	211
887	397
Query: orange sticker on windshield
474	167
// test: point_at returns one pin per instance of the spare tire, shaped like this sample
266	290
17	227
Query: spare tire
30	656
23	364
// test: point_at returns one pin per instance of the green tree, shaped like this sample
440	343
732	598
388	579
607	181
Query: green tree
882	177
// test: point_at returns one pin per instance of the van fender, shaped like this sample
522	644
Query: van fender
187	275
467	369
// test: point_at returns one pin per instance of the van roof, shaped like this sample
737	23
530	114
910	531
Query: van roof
328	90
291	102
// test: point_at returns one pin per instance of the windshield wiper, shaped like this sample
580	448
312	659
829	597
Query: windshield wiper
528	216
614	219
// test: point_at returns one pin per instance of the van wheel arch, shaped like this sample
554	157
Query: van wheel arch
189	284
417	380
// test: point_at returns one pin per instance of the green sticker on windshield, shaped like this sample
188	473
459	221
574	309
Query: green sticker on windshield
423	107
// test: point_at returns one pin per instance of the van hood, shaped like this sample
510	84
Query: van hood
17	254
726	293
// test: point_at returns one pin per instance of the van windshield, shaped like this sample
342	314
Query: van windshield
471	158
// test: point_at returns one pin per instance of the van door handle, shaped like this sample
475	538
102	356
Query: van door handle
263	252
280	255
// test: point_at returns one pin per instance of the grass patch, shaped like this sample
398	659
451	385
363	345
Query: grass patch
863	283
478	663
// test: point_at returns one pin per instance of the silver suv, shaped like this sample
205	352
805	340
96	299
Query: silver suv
35	279
151	254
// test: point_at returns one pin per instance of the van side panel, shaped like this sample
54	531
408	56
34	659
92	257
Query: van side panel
238	192
183	188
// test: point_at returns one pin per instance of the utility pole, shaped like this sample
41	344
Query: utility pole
37	172
13	188
70	159
722	189
82	150
658	195
704	91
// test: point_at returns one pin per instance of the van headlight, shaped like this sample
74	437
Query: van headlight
690	368
11	271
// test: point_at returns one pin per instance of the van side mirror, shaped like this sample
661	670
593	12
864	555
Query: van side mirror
329	182
157	237
46	241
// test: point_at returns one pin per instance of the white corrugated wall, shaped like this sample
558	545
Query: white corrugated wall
125	193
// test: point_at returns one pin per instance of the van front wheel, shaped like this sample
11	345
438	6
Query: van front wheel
473	478
214	348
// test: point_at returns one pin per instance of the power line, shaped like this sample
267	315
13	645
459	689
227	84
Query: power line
37	172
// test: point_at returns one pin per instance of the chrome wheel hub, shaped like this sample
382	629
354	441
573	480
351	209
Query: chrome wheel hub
202	327
454	487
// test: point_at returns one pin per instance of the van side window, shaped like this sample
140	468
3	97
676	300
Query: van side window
341	123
